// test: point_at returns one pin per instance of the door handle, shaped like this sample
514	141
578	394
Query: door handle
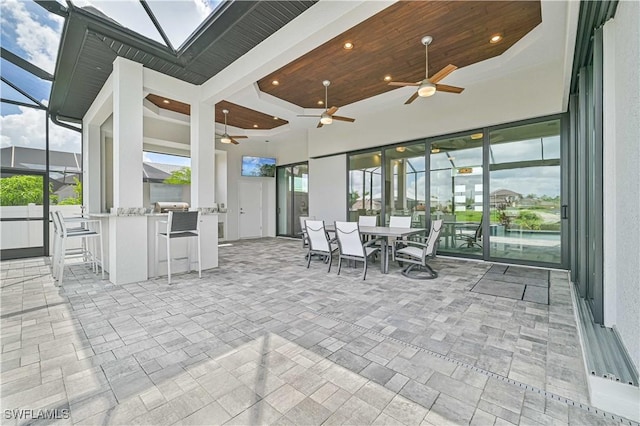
565	212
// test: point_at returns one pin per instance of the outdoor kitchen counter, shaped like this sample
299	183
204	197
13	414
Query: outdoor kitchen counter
129	246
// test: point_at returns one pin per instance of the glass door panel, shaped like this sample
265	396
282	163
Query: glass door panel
283	179
456	191
365	185
524	195
405	184
292	183
300	185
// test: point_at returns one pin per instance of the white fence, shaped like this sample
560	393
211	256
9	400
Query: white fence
28	233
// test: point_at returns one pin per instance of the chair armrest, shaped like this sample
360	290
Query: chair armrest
374	241
411	243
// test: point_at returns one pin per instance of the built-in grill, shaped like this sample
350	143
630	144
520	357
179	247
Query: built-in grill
170	206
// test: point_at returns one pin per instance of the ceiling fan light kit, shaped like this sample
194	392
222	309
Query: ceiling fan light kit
327	116
426	89
429	86
225	138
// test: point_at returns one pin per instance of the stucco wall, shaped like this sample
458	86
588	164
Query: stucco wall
627	174
621	106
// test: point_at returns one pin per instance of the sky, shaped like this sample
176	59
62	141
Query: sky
33	33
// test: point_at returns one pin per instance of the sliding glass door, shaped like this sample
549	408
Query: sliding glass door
292	187
405	183
456	192
525	193
365	185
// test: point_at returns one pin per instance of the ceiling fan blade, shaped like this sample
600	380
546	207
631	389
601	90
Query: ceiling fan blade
238	137
449	89
337	117
412	98
319	124
403	83
235	142
332	110
442	73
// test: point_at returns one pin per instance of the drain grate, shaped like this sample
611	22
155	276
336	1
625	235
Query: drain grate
548	395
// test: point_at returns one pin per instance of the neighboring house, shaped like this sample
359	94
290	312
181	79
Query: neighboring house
504	196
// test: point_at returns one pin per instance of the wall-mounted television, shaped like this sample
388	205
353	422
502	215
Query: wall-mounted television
258	166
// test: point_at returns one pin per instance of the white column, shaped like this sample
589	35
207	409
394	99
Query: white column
127	133
203	178
202	155
127	234
91	170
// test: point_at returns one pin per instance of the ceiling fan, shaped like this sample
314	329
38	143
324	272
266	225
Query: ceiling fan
327	116
429	86
225	138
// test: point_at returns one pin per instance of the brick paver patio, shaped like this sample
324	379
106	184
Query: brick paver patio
263	340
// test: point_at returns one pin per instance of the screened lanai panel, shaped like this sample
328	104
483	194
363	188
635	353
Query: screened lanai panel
31	32
35	87
10	94
190	15
128	14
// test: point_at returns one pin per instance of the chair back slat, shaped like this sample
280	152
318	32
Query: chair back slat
183	221
368	220
349	241
400	222
432	238
317	235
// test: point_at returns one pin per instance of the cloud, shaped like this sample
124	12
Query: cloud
27	129
38	40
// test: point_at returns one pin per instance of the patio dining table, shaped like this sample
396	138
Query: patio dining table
385	232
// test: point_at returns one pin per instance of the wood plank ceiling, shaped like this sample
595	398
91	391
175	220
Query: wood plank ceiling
388	43
239	116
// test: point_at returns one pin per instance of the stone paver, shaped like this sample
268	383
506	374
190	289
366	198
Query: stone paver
263	340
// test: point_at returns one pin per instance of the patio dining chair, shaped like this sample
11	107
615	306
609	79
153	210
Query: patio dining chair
397	222
303	229
179	225
319	243
89	236
416	254
351	246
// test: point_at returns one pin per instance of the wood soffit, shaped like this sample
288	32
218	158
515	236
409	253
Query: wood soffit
239	116
388	43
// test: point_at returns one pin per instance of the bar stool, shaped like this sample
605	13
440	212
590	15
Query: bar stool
179	225
90	235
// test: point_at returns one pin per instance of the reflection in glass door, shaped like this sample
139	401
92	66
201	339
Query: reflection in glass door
524	197
292	183
365	185
405	184
457	193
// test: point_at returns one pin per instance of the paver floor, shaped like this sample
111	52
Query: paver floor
264	340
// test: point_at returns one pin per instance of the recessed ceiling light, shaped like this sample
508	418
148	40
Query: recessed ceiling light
387	78
320	102
476	136
255	126
401	149
275	82
348	45
166	101
275	118
495	38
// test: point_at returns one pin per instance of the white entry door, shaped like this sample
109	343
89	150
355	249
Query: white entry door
250	209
